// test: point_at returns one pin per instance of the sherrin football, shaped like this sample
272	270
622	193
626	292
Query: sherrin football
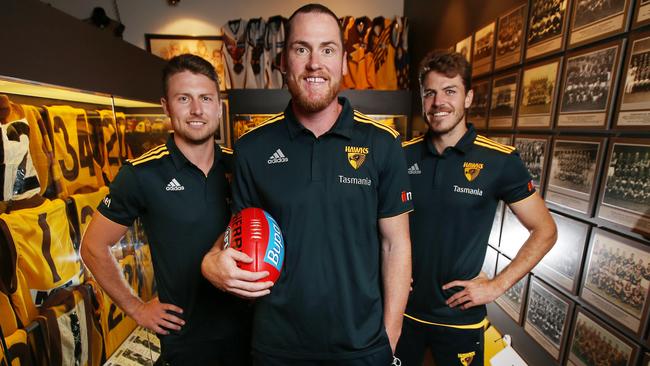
254	232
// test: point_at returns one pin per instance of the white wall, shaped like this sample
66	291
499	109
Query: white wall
205	17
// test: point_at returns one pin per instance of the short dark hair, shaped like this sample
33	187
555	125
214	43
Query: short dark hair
447	63
310	8
191	63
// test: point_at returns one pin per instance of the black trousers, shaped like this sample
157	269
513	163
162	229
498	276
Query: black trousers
449	346
235	352
382	358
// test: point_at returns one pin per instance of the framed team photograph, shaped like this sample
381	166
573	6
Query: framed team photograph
495	232
573	175
210	48
625	192
512	301
597	19
593	342
478	111
503	101
616	279
546	27
538	94
634	96
510	38
490	262
483	50
641	13
588	86
548	317
562	264
533	150
513	234
464	47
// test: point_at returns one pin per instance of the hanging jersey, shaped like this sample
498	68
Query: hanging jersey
72	333
255	72
383	53
347	24
144	271
73	154
8	320
234	37
18	349
121	123
360	60
85	205
115	325
274	44
400	39
108	144
18	177
37	232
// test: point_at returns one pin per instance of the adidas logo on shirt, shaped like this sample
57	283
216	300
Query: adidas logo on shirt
277	157
173	185
414	169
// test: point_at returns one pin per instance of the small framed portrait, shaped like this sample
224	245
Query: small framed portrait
210	48
495	232
478	111
503	101
588	86
634	96
616	278
574	173
625	191
548	317
562	264
538	94
464	47
593	342
490	262
641	13
597	19
483	50
242	123
546	27
513	234
512	301
533	150
510	38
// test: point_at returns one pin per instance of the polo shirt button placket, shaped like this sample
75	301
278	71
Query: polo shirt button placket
315	160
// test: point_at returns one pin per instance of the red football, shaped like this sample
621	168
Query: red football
254	232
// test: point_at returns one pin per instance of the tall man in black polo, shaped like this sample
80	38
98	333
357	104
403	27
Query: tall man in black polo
331	178
179	190
458	177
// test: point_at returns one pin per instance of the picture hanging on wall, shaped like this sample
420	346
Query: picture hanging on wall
510	38
634	96
490	262
546	27
504	101
588	86
464	47
483	50
478	111
596	19
533	150
512	301
537	96
641	13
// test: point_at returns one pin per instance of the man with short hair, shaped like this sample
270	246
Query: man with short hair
180	192
458	177
335	181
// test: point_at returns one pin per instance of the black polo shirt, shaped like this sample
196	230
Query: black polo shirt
455	195
183	213
327	194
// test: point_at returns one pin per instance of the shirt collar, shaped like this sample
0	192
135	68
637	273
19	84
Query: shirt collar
180	160
342	126
463	145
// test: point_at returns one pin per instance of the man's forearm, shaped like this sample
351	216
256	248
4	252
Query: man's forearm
396	276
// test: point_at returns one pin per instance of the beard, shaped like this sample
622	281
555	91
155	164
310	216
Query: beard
312	104
444	127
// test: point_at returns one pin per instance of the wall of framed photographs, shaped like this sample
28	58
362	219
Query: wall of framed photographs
568	83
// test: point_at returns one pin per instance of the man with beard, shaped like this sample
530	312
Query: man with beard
458	177
179	191
336	182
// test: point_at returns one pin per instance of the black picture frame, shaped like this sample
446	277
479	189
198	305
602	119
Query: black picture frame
562	265
624	201
594	20
633	103
534	152
573	175
510	39
548	317
588	84
614	278
504	102
538	94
